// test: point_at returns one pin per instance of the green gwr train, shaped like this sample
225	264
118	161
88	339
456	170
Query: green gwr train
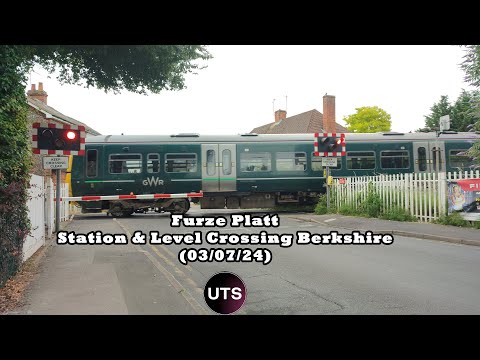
245	171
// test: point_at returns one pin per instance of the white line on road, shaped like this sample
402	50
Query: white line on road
328	220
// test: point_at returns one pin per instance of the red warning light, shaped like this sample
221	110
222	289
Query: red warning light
71	135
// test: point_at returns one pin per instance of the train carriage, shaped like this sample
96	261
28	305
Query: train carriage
245	171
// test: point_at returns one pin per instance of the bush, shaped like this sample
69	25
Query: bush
454	219
397	214
347	210
372	206
321	207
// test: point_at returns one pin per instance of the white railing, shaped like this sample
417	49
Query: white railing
36	210
41	210
422	195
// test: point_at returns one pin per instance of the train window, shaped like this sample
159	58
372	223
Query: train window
291	161
92	163
317	163
180	163
360	160
458	159
153	163
211	162
437	154
390	159
227	162
422	158
125	163
255	162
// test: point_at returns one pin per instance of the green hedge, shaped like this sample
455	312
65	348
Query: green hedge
15	161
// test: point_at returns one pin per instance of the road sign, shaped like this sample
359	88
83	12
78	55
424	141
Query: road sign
329	161
55	162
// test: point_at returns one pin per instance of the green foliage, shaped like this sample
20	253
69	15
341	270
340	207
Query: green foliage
114	68
348	210
454	219
368	119
471	67
136	68
372	206
439	109
462	112
321	207
398	214
471	64
15	160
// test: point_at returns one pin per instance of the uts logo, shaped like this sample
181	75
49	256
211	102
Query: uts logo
225	293
155	181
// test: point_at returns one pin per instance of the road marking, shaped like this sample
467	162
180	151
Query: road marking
328	220
170	277
172	254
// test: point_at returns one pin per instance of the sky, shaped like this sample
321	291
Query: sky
243	85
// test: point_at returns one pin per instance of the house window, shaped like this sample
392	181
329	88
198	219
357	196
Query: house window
153	163
125	163
92	163
458	159
291	161
255	162
360	160
184	163
394	159
317	163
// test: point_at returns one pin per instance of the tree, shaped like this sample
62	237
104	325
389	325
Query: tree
114	68
461	113
368	119
439	109
471	66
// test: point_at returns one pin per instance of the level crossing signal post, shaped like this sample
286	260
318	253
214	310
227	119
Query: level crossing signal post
329	146
57	142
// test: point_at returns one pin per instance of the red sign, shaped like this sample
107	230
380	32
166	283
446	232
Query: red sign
341	181
469	184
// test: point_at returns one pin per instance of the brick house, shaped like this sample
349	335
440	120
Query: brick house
39	111
308	122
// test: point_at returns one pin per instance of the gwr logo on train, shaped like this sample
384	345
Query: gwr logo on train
153	181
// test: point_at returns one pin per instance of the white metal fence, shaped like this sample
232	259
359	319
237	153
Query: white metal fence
41	210
422	195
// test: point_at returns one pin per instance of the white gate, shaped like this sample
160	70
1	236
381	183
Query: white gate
35	204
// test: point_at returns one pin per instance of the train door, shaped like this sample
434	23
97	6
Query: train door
219	171
429	157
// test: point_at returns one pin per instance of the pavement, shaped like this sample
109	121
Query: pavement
452	234
100	279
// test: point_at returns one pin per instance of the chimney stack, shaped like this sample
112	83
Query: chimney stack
39	94
280	115
329	124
